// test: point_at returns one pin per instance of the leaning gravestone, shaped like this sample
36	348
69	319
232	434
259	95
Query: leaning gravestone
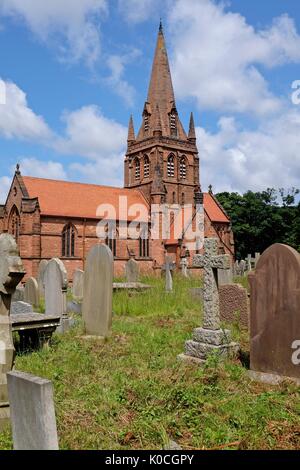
56	284
210	338
11	273
31	292
77	288
98	290
40	277
32	412
275	314
132	270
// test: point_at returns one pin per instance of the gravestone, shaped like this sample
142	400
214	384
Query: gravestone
40	277
132	270
225	276
168	267
20	308
11	273
77	287
210	337
31	292
56	284
32	412
275	314
184	267
234	304
18	294
98	289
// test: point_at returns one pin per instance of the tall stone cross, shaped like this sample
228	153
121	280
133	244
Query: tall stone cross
211	262
210	337
11	273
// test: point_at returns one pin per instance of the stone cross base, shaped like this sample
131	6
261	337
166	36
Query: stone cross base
4	417
206	342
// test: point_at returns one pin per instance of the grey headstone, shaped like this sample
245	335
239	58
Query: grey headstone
77	287
184	267
32	412
132	270
20	308
11	273
225	276
40	277
56	284
98	289
31	292
18	294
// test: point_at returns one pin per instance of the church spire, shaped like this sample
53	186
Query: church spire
192	133
157	125
131	134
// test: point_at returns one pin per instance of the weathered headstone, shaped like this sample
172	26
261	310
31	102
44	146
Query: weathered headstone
184	267
210	338
11	273
225	276
56	284
40	277
77	288
168	273
18	294
243	267
132	270
234	304
32	412
98	289
20	308
31	292
275	313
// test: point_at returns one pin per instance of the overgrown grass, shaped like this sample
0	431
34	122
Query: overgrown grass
133	393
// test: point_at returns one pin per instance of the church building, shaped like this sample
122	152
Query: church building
51	218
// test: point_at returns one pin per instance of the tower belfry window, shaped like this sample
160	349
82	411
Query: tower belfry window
146	167
182	168
146	123
137	169
171	167
173	124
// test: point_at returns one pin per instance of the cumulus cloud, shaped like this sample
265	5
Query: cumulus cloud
90	134
235	159
42	169
17	120
72	25
137	11
116	65
218	57
5	183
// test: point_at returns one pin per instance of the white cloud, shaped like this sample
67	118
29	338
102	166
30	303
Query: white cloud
116	64
73	25
137	11
17	120
218	58
90	134
106	171
42	169
5	183
235	159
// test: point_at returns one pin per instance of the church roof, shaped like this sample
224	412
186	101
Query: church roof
67	199
213	209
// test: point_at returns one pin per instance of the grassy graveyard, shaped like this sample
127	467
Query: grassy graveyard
132	393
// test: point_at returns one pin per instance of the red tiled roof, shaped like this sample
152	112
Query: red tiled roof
67	199
213	210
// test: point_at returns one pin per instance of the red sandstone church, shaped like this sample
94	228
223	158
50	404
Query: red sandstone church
59	219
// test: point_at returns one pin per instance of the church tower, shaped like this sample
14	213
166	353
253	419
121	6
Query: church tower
162	159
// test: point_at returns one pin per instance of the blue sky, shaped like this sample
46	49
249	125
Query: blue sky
73	72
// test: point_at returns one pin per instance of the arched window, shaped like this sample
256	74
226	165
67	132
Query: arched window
144	250
111	240
14	223
69	236
171	167
146	166
137	168
182	168
173	123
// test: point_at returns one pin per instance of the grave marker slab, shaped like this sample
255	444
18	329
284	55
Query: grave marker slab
132	270
31	292
40	277
56	284
77	288
32	412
